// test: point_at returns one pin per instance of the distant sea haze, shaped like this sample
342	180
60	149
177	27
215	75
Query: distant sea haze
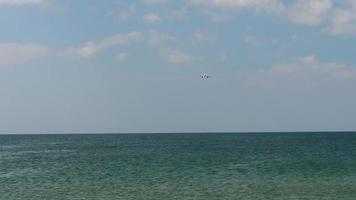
278	166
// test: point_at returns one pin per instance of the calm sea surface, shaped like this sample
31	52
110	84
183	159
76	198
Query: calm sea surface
178	166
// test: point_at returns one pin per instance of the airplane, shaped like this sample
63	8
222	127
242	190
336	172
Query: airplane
204	76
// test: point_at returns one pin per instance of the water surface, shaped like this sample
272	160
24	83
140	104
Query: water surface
178	166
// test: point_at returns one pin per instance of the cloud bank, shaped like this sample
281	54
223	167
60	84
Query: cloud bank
90	49
13	53
21	2
335	19
311	66
16	53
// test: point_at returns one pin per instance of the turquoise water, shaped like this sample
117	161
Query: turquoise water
178	166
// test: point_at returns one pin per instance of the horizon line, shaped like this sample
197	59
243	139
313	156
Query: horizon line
195	132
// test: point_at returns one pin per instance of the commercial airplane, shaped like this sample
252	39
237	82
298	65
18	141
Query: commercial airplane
204	76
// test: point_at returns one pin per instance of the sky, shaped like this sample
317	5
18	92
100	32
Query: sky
134	66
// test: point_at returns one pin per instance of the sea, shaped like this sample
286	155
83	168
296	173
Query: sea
246	166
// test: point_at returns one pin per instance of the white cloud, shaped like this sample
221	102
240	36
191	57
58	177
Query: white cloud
343	20
217	16
88	50
202	37
311	66
91	49
177	56
151	18
45	5
123	12
264	5
338	19
12	53
121	39
121	56
155	1
251	40
160	39
302	11
199	36
335	19
180	12
222	10
21	2
309	12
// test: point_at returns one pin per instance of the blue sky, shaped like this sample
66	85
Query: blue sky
134	66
